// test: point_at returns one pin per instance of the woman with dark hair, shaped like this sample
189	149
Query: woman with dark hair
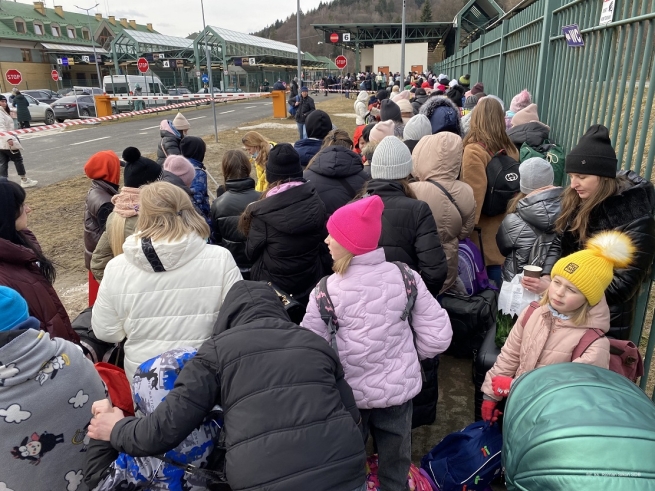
227	208
10	147
23	266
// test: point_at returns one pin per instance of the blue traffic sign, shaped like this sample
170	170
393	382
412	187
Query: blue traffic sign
573	36
64	61
205	78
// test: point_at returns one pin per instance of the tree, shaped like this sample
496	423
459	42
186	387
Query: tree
381	7
426	12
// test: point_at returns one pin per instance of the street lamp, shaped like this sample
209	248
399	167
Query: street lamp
298	40
209	70
93	41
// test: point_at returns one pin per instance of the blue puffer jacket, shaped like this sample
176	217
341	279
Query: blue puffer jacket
200	197
307	148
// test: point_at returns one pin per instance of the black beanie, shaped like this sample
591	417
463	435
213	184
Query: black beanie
139	170
382	94
193	147
283	163
389	110
318	124
593	155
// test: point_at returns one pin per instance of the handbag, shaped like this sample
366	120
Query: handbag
294	308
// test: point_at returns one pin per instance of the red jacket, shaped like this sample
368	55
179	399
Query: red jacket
18	270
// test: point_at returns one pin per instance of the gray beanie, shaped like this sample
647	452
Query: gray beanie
535	173
417	127
391	160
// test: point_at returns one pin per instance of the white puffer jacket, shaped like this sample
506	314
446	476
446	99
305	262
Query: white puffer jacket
160	311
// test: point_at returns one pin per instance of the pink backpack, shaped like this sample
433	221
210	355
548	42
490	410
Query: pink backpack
416	480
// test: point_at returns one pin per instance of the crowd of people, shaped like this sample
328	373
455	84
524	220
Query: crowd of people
360	234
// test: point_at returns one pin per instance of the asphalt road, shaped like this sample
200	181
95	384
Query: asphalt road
52	156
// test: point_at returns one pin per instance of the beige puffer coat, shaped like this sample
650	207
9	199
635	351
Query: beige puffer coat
547	340
439	158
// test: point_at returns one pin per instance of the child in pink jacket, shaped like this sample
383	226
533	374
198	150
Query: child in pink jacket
376	347
573	303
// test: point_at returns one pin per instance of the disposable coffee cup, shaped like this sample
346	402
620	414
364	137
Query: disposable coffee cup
532	271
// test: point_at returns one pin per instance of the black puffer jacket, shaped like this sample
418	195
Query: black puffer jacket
285	242
418	101
629	211
409	233
338	175
526	235
225	213
533	134
169	143
291	414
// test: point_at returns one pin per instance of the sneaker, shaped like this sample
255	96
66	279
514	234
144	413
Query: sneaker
28	183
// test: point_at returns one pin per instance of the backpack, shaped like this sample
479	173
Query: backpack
502	184
466	460
552	153
625	358
95	349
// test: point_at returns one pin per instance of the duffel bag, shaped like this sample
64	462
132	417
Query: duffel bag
471	318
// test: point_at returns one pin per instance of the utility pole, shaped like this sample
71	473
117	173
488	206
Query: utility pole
93	41
209	70
298	42
402	47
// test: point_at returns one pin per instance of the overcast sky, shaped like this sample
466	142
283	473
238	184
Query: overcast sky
182	17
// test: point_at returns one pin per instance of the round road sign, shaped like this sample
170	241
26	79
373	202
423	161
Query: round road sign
334	37
142	65
341	62
55	75
14	77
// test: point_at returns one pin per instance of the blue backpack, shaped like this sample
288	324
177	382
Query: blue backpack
466	460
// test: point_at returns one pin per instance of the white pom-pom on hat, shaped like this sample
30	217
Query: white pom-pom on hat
614	246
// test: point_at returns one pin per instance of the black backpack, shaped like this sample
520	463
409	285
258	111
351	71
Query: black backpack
502	183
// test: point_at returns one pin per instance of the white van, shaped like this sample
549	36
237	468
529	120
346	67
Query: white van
126	85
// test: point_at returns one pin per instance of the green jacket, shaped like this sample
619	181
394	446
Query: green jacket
103	253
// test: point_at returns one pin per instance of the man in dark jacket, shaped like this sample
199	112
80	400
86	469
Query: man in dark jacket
419	100
317	125
303	107
279	85
291	414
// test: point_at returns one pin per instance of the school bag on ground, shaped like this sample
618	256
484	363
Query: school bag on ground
417	479
502	183
572	426
548	151
468	460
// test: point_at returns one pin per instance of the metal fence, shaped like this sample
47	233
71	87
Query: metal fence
610	80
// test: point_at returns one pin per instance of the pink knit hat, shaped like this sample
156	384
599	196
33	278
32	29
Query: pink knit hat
357	226
380	130
520	101
181	167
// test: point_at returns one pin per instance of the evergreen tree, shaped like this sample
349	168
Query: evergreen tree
381	7
426	12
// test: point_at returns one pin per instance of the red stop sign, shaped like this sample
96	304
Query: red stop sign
14	77
334	37
341	62
142	65
55	75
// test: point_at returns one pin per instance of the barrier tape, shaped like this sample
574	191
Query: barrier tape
217	95
75	122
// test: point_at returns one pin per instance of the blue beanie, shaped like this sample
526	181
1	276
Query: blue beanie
13	309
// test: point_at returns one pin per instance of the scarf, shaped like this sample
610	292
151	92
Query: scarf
126	203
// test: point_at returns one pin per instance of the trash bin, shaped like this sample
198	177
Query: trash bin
279	104
103	105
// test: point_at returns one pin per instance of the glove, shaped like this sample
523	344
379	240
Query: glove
489	411
501	385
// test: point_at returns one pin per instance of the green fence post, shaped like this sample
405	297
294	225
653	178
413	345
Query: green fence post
480	55
501	59
545	61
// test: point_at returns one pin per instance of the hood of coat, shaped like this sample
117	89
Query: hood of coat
435	102
336	161
26	353
438	157
295	211
14	253
248	301
541	208
240	185
172	254
421	99
385	188
307	144
363	97
533	134
166	128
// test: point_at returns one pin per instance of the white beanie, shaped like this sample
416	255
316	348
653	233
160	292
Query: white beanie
391	159
417	127
535	173
453	82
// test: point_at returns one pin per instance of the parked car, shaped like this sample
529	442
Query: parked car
85	91
206	91
179	91
232	89
74	107
43	95
40	111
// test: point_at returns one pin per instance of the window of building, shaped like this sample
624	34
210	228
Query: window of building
85	34
27	55
70	31
20	26
38	29
55	31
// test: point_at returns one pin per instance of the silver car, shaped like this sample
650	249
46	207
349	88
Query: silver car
40	111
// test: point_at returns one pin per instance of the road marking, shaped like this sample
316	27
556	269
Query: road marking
89	141
249	107
149	128
146	133
225	112
199	117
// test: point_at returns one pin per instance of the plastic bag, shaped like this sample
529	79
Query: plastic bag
513	298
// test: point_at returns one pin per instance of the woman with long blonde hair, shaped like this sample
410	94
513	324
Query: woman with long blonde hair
258	148
486	137
165	290
600	199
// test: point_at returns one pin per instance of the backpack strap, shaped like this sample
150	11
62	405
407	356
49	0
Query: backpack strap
587	340
410	289
528	313
448	195
326	309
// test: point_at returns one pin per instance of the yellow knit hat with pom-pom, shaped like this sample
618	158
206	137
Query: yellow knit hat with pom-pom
591	270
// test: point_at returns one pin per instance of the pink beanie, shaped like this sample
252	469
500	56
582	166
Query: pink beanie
380	130
520	101
181	167
357	226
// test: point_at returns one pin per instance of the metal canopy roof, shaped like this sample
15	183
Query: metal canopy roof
249	40
473	19
152	39
368	35
130	45
71	48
